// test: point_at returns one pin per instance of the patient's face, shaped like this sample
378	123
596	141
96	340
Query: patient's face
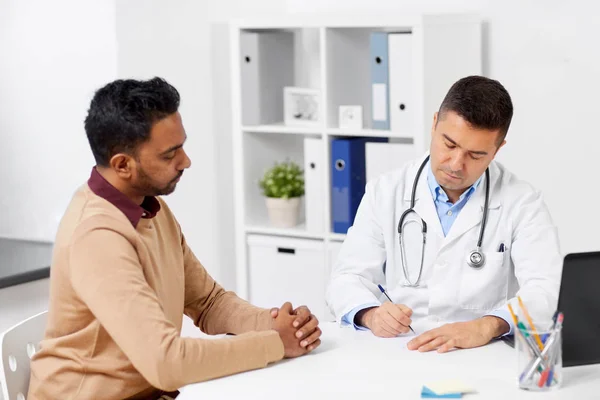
161	160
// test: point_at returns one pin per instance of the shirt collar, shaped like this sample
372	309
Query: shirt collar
438	193
134	212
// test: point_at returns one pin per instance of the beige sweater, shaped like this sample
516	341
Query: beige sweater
118	295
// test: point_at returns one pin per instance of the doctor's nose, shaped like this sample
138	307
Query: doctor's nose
456	162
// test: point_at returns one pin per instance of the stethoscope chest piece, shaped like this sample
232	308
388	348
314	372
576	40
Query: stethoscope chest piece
476	259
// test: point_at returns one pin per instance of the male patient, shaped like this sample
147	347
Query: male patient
122	274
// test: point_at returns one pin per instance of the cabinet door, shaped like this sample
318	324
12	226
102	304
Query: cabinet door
283	269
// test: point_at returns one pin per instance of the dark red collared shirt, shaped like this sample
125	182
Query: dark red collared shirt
100	186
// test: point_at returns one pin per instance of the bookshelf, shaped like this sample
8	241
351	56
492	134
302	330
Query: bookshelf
331	55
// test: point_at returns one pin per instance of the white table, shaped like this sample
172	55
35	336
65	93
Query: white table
357	365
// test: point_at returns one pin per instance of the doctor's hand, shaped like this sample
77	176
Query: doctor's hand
460	335
388	320
306	325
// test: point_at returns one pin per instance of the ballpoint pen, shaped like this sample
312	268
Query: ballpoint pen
544	337
532	344
532	326
548	374
386	295
555	353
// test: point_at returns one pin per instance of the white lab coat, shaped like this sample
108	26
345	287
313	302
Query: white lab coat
450	290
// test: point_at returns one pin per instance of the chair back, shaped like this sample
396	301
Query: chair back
17	345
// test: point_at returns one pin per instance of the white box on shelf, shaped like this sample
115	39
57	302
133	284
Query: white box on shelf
314	181
286	269
301	106
385	157
351	117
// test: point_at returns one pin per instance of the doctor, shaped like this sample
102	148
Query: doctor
453	236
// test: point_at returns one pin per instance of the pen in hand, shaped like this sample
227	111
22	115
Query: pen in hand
386	295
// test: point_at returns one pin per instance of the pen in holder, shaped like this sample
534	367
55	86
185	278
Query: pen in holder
539	353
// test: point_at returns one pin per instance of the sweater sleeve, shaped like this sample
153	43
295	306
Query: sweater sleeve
214	310
113	286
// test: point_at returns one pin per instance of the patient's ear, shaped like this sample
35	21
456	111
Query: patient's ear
123	165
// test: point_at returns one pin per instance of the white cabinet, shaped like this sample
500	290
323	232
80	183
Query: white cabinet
285	269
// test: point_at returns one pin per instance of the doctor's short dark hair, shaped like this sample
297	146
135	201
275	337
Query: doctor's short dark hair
482	102
122	113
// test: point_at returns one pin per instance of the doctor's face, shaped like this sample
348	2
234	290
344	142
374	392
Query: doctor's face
460	153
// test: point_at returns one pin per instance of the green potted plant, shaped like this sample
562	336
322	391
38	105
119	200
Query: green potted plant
283	186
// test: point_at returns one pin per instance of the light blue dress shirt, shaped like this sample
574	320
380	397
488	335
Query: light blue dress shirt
447	213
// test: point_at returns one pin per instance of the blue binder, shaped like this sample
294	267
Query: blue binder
380	87
348	179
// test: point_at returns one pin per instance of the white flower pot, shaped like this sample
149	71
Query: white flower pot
283	213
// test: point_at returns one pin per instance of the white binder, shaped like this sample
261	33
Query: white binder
402	103
386	157
314	173
267	65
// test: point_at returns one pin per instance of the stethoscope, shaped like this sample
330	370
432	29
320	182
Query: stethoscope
475	259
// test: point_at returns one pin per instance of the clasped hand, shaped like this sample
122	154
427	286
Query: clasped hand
298	329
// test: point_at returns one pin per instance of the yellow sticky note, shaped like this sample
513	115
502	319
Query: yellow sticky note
449	386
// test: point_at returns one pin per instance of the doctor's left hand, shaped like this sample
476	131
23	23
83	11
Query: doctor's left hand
307	324
460	335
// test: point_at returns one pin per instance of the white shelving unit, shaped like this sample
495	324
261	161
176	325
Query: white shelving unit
333	56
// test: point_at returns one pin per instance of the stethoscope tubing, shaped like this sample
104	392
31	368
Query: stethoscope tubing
475	259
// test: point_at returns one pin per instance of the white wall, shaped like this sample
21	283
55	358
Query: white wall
545	53
53	56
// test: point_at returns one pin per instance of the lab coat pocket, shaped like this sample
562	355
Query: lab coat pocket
484	288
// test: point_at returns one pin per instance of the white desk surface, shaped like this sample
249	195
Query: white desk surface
357	365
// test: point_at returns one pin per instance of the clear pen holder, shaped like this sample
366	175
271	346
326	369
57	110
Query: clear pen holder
539	368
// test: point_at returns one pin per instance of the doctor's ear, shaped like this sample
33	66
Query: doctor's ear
500	146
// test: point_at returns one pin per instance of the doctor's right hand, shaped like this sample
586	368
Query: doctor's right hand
388	320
